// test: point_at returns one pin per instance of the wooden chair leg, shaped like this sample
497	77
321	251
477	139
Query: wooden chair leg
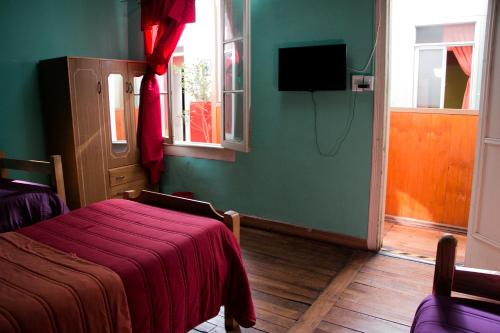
230	323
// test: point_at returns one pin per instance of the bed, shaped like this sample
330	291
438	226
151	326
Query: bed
150	263
23	203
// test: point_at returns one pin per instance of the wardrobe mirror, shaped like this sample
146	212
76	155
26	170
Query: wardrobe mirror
117	113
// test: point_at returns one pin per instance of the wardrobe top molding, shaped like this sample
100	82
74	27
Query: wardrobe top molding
96	58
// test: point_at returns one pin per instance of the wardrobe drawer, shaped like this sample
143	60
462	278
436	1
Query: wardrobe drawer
126	174
138	185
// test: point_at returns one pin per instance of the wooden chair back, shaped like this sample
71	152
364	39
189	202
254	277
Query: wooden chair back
449	277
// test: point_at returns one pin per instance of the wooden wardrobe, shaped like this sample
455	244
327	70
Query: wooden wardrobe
90	111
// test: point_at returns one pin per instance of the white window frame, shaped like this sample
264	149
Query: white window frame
162	94
174	139
444	46
229	142
244	145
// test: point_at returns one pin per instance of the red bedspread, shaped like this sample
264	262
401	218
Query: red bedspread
177	268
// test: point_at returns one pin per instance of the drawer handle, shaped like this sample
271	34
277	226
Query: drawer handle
119	177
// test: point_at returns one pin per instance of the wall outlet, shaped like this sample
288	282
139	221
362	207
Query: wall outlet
362	83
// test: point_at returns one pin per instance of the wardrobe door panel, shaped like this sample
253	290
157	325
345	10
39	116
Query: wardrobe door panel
118	124
136	71
86	101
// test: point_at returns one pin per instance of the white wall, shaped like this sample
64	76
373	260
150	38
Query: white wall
405	15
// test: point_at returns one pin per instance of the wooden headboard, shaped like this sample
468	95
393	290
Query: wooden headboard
52	168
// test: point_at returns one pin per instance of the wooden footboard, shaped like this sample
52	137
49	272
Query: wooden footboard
53	168
448	277
230	218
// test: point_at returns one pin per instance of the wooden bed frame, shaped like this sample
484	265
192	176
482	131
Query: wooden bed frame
52	168
448	277
230	218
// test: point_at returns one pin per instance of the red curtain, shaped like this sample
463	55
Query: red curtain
464	57
162	23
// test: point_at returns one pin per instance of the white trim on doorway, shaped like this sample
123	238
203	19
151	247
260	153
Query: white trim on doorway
482	140
380	134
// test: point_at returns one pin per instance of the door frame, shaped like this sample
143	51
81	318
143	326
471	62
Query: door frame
483	116
380	124
381	121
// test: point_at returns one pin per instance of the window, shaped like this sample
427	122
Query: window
443	59
208	79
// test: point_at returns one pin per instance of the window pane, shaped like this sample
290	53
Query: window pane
455	91
446	33
233	19
117	113
233	116
162	83
430	75
137	84
137	99
233	66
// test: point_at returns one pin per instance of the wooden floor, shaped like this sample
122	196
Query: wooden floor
381	298
304	286
418	241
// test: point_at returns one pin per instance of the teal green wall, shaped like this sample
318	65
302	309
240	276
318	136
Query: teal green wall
283	178
31	30
135	41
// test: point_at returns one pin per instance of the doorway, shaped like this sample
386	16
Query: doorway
435	50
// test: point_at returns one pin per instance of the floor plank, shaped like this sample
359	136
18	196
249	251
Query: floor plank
381	303
326	327
361	322
418	241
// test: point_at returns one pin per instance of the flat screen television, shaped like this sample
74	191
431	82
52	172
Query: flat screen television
312	68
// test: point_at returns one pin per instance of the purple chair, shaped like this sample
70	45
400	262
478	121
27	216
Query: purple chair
442	313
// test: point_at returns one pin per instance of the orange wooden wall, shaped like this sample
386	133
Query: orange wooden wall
430	166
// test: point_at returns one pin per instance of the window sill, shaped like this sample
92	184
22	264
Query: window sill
206	151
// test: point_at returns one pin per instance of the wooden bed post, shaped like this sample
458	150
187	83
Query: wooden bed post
57	177
445	266
232	220
3	171
230	323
